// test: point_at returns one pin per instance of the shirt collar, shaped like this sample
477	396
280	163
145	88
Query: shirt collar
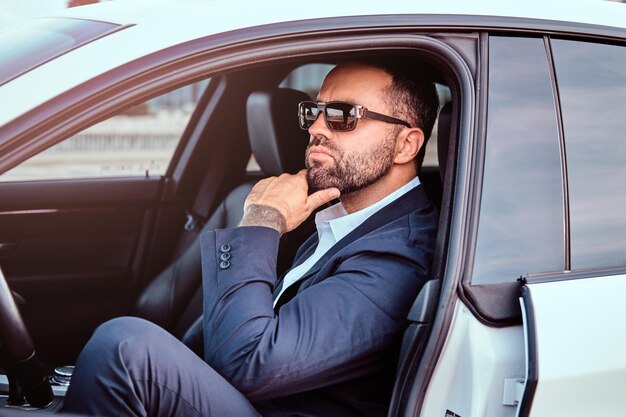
341	222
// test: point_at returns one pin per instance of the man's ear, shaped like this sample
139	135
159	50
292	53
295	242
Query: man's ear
408	144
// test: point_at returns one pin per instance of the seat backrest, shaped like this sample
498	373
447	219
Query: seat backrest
173	299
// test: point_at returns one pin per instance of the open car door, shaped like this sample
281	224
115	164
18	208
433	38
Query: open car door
575	346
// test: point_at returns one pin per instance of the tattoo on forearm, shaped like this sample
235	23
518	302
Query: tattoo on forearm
260	215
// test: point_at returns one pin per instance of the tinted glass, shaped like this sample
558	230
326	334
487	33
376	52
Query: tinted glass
307	78
138	142
592	86
27	45
521	214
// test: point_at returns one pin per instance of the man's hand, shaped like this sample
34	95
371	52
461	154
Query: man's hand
283	203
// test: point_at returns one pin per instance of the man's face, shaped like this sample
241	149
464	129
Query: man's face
352	160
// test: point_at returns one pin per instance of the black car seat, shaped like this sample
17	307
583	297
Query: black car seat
173	299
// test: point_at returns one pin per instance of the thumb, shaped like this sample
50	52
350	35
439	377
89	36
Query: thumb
321	197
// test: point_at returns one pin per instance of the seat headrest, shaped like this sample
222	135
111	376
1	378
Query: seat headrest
276	140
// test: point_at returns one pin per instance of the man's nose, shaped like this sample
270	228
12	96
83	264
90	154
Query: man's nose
319	128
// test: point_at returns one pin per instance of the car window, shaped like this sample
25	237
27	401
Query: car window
592	87
29	44
307	78
138	142
520	227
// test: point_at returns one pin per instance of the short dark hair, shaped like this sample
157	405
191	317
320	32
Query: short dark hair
412	95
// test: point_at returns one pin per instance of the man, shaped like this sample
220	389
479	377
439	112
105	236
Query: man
325	341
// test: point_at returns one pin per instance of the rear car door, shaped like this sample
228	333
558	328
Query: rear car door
575	319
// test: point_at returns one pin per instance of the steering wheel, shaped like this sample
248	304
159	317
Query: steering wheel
19	352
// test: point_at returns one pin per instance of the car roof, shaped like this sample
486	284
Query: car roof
222	15
149	26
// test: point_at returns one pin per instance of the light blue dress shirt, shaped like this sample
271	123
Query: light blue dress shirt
333	224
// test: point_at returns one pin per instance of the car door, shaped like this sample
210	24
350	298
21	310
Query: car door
86	222
574	319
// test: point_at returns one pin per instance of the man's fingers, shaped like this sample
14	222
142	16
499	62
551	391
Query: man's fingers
321	197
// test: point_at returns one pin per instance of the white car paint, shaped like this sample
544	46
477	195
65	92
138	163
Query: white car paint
470	375
581	347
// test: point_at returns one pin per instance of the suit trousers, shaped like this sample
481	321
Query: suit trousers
131	367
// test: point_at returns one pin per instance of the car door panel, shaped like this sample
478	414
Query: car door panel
73	250
575	347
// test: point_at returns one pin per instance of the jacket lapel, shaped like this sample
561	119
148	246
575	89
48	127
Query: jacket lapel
404	205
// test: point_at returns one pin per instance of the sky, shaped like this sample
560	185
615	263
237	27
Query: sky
13	11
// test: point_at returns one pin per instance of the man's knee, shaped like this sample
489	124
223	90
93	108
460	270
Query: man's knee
123	337
125	328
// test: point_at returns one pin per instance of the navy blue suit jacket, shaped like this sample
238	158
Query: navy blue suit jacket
331	348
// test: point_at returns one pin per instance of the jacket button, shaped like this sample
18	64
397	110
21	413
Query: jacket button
225	248
224	264
225	256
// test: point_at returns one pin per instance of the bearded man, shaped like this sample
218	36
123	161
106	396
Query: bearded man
323	340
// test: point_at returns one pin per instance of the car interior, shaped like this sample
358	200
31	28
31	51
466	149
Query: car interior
112	247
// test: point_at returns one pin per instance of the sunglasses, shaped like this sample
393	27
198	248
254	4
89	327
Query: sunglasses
339	115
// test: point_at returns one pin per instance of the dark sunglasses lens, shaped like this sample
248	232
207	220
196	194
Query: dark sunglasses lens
341	117
307	114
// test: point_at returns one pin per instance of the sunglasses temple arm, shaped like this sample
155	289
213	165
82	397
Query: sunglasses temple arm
383	118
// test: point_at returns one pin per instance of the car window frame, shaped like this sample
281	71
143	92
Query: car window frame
569	273
570	265
177	66
38	129
497	305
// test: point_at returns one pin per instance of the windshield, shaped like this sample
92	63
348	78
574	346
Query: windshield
28	45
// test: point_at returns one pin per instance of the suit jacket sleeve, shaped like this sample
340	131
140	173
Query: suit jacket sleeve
335	330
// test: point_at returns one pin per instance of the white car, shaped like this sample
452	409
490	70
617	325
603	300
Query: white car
126	126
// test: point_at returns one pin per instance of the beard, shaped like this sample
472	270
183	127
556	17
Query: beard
350	172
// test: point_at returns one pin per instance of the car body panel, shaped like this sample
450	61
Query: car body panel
73	251
275	11
474	364
576	346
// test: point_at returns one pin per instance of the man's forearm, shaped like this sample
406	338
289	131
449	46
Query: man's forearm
261	215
